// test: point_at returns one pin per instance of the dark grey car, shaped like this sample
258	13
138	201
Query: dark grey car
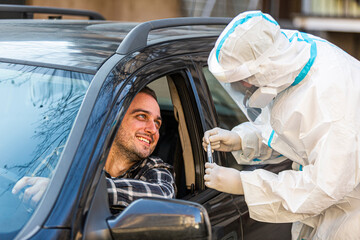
65	86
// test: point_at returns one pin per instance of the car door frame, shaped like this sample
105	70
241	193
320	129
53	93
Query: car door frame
131	85
250	228
190	98
221	207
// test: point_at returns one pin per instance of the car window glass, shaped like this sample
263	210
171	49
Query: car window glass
229	114
38	108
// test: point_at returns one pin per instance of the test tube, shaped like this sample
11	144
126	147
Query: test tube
209	153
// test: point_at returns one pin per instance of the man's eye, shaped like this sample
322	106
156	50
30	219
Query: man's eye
158	125
141	116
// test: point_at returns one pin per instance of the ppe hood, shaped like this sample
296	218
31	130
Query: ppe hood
254	49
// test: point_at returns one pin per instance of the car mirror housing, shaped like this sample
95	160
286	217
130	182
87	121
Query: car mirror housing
150	218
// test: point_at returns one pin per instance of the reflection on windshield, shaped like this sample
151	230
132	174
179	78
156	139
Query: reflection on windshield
38	108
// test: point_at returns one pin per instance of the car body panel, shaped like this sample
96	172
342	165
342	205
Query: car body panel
73	45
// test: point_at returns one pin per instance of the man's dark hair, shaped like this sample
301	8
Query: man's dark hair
149	91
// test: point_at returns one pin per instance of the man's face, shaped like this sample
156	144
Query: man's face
139	131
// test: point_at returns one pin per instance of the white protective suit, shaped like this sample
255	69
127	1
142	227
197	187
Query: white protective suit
314	120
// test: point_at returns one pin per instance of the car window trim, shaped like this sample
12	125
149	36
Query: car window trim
49	65
183	70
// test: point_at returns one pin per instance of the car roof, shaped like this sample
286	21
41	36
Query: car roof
80	45
67	44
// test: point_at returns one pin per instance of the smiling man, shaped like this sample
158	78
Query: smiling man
131	172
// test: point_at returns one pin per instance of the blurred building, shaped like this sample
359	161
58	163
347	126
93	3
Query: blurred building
121	10
335	20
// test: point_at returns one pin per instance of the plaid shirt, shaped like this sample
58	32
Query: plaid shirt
148	178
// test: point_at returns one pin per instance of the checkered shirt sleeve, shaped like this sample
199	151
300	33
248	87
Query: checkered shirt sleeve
155	181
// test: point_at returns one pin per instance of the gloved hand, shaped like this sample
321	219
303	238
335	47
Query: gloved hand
33	193
223	179
222	140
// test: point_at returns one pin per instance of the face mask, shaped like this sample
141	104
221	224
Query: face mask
252	100
261	97
253	97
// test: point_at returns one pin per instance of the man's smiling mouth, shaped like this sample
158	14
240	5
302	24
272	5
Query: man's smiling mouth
144	140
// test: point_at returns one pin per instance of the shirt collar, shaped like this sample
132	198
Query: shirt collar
133	168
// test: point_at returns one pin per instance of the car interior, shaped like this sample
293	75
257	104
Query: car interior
174	145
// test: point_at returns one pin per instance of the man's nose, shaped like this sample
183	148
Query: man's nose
151	127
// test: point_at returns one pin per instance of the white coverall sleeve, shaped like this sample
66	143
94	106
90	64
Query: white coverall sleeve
291	195
254	151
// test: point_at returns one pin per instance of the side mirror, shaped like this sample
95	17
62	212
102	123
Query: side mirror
150	218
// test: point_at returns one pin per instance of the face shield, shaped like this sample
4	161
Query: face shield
236	79
252	100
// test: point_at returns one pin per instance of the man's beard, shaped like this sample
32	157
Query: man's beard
129	150
132	156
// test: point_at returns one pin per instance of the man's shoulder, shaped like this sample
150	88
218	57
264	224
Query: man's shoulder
156	162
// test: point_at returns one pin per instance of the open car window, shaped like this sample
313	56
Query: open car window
174	145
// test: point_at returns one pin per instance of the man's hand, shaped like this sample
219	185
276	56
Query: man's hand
222	140
35	188
223	179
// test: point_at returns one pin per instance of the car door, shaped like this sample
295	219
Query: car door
225	113
224	216
189	158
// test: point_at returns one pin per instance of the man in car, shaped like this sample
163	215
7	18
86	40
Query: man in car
130	171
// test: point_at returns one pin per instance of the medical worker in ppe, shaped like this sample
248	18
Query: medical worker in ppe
301	95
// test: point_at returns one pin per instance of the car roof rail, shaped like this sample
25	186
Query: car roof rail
27	11
137	37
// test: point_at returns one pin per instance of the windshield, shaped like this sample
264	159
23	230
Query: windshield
38	108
